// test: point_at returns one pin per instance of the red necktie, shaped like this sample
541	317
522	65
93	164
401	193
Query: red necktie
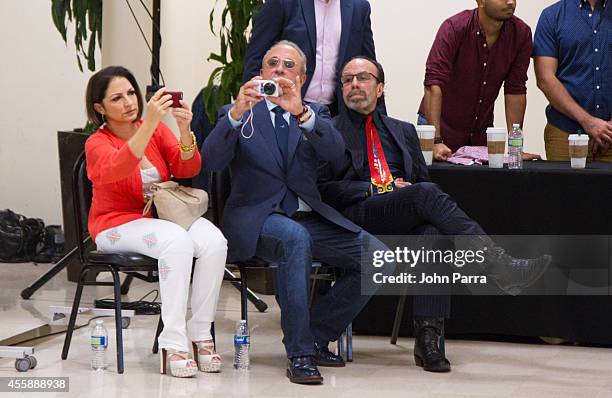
380	174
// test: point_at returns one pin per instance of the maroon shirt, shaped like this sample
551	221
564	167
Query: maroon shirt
471	74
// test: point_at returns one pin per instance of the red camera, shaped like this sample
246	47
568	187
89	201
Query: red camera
177	96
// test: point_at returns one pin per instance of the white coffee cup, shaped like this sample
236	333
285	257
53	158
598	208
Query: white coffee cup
496	145
578	150
426	138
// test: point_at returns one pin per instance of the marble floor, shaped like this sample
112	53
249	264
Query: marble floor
480	369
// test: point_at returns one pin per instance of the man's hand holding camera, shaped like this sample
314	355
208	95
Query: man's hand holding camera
291	97
248	97
250	94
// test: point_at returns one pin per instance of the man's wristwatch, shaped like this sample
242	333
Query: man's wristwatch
438	140
304	115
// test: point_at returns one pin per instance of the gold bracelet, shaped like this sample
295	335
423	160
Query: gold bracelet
188	148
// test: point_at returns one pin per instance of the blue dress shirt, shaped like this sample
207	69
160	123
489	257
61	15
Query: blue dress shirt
580	38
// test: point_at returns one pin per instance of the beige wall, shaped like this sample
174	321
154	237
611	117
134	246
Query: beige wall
47	89
42	92
404	32
122	41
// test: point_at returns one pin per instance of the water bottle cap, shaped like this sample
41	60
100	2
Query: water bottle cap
99	321
516	125
243	321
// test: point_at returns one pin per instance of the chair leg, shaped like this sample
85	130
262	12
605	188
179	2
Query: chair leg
160	327
349	343
399	314
340	344
314	284
252	297
73	314
243	294
125	286
118	330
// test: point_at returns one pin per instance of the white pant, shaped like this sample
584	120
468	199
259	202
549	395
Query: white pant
175	248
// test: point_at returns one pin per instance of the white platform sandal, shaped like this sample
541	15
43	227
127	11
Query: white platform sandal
209	362
185	367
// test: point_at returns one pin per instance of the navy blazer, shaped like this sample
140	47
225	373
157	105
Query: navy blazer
259	181
294	20
342	182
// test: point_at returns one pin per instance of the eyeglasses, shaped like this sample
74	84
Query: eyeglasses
287	63
361	78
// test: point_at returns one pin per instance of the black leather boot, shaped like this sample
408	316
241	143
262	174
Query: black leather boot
510	274
427	354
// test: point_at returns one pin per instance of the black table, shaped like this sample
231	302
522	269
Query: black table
544	198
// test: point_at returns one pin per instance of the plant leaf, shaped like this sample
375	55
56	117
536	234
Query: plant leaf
79	62
91	53
87	18
58	12
225	81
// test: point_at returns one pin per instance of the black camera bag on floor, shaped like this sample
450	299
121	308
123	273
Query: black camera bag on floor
25	239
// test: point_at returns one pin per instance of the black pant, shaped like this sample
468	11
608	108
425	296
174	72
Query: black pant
420	209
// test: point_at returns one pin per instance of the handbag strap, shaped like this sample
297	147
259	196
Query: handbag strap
184	191
165	185
148	206
154	188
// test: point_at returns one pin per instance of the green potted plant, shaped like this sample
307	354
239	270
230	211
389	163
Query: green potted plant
226	79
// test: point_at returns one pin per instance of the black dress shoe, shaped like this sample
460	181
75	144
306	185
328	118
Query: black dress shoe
301	370
427	354
324	357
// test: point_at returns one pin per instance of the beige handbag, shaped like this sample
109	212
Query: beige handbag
176	203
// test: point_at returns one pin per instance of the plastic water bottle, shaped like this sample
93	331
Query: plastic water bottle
241	346
99	344
515	147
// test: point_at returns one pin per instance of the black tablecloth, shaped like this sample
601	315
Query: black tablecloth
544	198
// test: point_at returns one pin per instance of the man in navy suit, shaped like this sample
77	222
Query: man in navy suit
382	185
330	32
275	211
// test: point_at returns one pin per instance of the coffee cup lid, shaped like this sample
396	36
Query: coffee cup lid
496	130
426	127
578	137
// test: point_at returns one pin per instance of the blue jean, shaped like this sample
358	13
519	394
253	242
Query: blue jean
292	245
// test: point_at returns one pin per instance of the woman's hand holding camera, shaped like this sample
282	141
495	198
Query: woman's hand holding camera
158	107
183	116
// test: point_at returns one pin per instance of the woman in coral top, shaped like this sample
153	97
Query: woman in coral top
124	157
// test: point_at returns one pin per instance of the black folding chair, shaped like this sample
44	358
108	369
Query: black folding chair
132	264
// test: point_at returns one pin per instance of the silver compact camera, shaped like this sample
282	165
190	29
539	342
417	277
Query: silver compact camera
269	88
